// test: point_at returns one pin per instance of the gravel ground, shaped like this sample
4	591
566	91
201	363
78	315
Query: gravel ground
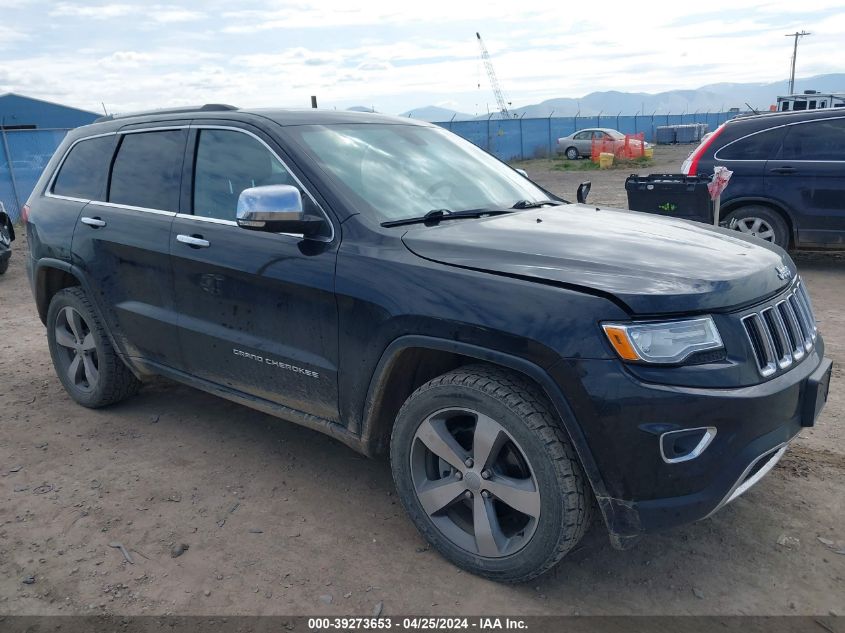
283	520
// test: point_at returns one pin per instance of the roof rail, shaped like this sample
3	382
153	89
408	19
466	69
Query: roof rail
208	107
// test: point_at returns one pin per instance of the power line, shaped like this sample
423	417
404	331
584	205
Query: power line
796	35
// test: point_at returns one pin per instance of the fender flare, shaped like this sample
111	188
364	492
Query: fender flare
38	289
527	368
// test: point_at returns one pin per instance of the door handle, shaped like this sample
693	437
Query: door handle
194	241
786	169
93	222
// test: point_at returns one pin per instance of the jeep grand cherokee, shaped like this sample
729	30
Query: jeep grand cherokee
521	359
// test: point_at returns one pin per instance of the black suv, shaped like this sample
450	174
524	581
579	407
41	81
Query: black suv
522	360
788	185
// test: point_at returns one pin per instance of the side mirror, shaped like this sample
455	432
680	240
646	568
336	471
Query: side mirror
276	209
583	191
523	172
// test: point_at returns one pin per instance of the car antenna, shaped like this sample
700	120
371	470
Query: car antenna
752	109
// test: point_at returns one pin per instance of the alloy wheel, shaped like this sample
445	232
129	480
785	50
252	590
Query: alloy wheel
756	227
474	482
77	349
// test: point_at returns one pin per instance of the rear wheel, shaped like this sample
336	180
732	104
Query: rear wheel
572	153
85	361
486	474
760	222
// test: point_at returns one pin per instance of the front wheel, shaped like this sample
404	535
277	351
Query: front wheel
486	474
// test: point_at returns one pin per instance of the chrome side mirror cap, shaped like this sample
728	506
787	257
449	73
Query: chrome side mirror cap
276	209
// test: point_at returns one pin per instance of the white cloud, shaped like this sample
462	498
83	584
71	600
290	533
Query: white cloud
398	55
10	36
158	13
97	12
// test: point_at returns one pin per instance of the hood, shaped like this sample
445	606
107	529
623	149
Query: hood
651	263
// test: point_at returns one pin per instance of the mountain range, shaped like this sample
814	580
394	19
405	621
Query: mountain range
711	98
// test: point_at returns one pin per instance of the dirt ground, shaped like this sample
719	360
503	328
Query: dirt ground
283	520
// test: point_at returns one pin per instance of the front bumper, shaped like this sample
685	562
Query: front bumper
643	493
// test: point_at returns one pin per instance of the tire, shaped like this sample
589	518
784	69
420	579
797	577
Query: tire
761	222
83	357
572	153
4	265
531	464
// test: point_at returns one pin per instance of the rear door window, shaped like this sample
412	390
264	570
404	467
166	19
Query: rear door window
758	146
148	169
818	140
84	172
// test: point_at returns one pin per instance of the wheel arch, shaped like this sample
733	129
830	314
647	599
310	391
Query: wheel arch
52	275
395	378
737	203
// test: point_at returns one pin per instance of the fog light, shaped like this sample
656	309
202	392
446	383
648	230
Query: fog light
685	444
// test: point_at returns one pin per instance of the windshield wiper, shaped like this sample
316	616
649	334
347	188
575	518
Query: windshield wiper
436	215
530	204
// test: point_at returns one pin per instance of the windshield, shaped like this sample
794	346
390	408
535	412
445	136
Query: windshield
394	172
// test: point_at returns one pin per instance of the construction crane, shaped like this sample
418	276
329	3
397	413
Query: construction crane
494	83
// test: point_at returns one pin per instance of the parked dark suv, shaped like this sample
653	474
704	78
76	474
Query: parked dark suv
788	185
383	281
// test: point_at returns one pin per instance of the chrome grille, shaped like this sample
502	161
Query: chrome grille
782	333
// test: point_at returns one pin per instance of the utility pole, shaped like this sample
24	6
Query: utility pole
796	35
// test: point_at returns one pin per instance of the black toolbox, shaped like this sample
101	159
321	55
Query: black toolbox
673	195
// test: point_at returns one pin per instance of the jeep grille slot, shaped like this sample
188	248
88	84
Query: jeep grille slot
783	333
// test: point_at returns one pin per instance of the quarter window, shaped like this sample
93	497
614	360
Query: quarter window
819	140
147	170
85	170
759	146
228	162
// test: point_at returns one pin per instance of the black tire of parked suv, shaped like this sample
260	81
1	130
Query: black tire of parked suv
111	380
771	227
527	418
4	266
572	153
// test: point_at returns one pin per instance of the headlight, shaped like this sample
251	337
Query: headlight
667	342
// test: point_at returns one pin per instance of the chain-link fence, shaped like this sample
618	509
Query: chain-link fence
25	153
524	138
23	156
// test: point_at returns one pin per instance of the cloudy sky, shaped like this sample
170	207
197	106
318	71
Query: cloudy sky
397	55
